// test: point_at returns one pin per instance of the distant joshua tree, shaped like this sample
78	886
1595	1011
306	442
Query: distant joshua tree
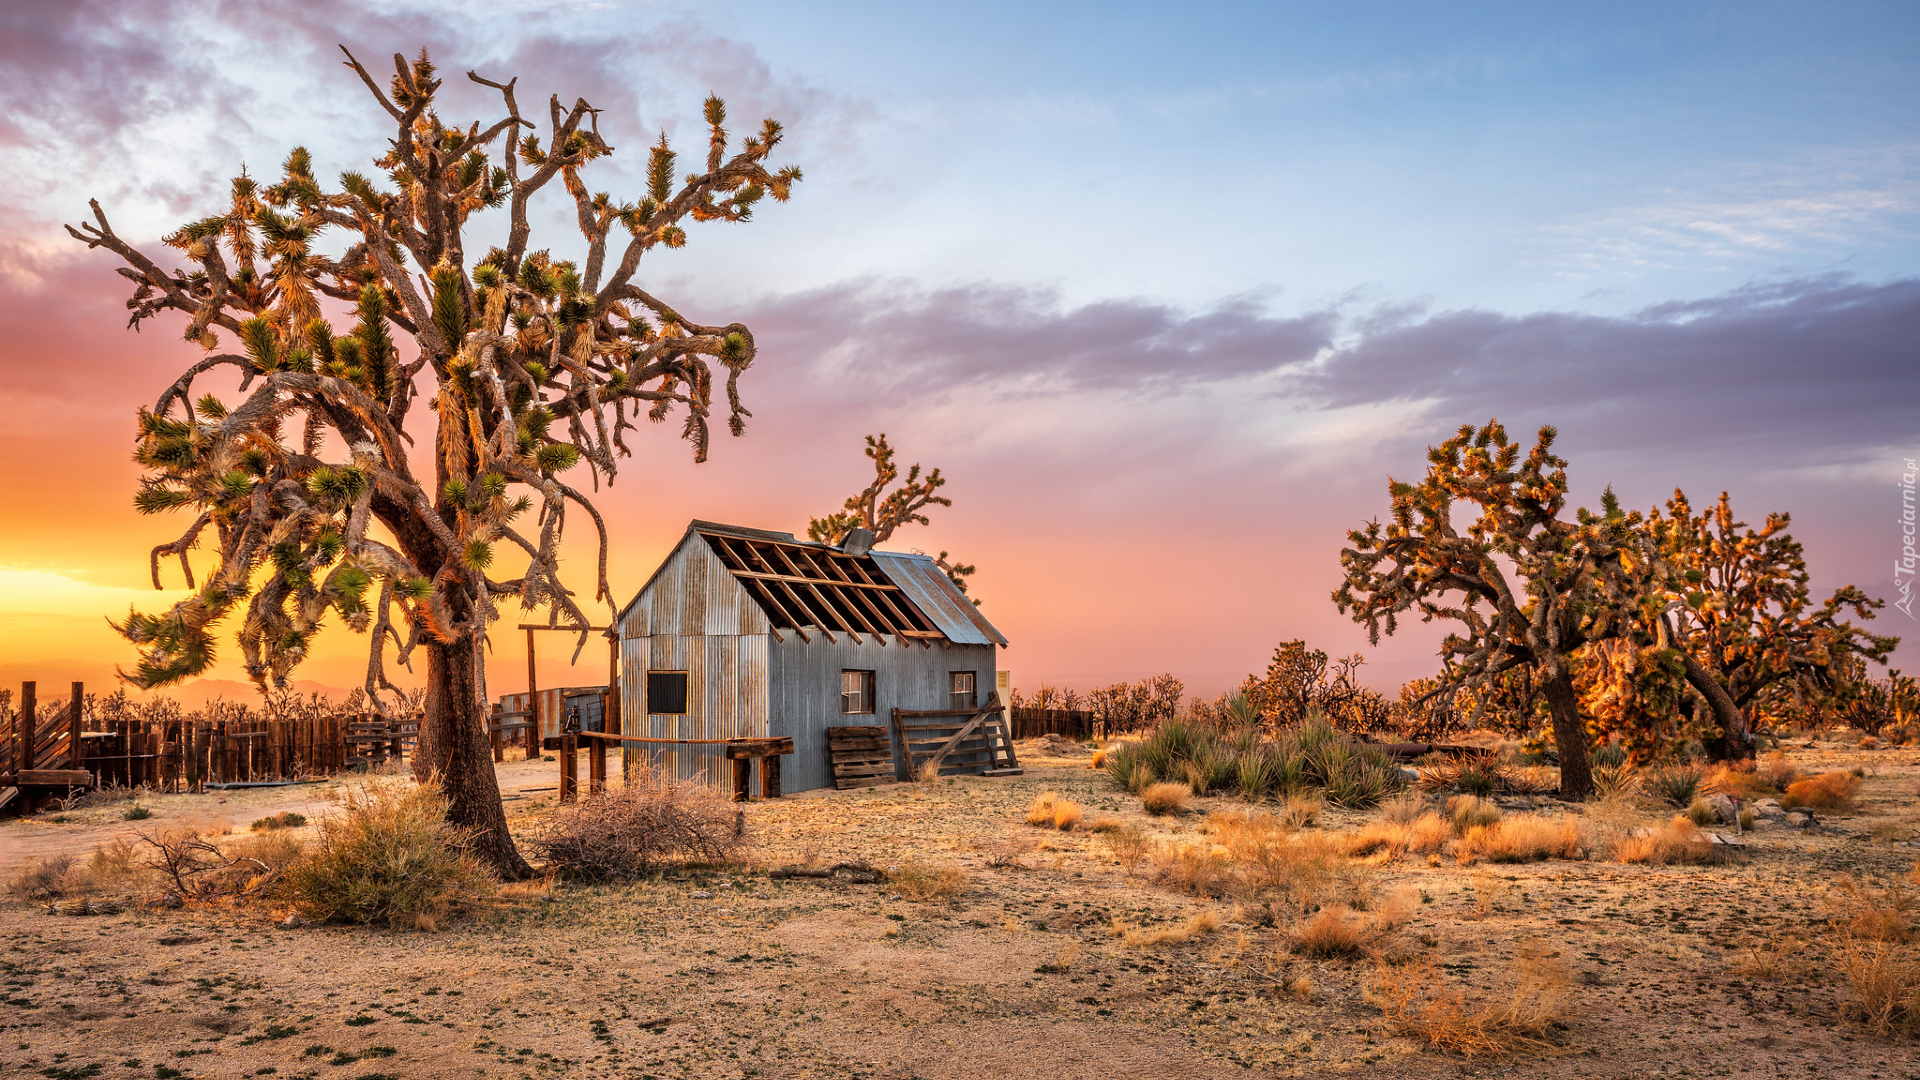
880	512
524	366
1570	582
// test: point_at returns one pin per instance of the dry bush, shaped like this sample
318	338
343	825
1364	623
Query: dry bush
1868	742
1776	772
1469	811
1040	810
1129	847
1404	808
1425	834
1301	811
1417	1001
1871	913
45	879
1828	791
1883	984
1334	930
1701	813
1066	815
1194	868
1676	842
285	819
390	856
1524	838
1105	825
1739	779
1488	891
1780	958
652	821
1165	798
917	880
1099	759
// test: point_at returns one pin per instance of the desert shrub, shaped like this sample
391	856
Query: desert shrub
1883	986
1615	781
1523	838
1775	770
1105	825
1676	842
1301	811
917	880
1334	930
1608	755
1257	776
390	856
1129	847
1471	811
1066	815
1194	868
1416	1000
652	821
42	879
1165	798
136	812
285	819
1702	813
1311	753
1676	782
1403	809
1828	791
1040	810
1871	913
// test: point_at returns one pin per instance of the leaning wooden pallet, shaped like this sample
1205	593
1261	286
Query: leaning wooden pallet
860	756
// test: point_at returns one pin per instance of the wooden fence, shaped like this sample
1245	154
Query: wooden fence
62	745
1033	723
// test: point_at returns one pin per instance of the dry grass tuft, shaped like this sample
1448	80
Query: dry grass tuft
1677	842
918	880
1524	838
1195	868
1404	808
1470	811
1701	813
1129	847
1417	1001
1740	779
1781	958
1333	931
1776	772
1066	815
1828	791
1302	810
1040	810
1166	798
650	822
390	856
1425	834
1869	913
1883	984
1106	825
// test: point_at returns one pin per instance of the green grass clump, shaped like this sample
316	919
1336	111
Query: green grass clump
1313	754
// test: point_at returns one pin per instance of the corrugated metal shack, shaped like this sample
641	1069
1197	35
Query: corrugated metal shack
743	633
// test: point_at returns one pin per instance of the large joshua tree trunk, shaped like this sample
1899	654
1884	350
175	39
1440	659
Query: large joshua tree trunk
455	750
1569	735
1734	743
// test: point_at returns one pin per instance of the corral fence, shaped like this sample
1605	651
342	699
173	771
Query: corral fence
1071	723
64	744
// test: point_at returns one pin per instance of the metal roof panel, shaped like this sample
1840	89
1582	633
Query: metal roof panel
922	580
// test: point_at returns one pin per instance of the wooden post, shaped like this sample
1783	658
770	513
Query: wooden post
494	721
23	730
770	776
611	721
74	752
569	767
742	768
533	704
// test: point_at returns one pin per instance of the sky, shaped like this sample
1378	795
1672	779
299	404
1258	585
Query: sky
1167	292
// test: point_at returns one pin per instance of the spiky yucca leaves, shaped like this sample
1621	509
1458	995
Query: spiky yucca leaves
1579	581
530	366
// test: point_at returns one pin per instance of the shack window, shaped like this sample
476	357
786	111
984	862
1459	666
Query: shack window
666	691
856	691
960	690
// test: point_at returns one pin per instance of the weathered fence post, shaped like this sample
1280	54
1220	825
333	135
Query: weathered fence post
23	729
73	727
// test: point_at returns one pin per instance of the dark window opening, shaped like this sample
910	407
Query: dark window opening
960	693
856	692
666	692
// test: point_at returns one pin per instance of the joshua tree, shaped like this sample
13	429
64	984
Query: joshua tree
1578	581
1740	617
880	512
524	366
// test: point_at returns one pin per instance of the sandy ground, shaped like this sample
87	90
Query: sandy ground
733	974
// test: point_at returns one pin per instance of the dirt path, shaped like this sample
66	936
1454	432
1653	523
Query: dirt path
1018	974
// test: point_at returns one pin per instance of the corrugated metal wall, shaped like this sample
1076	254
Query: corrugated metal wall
804	690
694	617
